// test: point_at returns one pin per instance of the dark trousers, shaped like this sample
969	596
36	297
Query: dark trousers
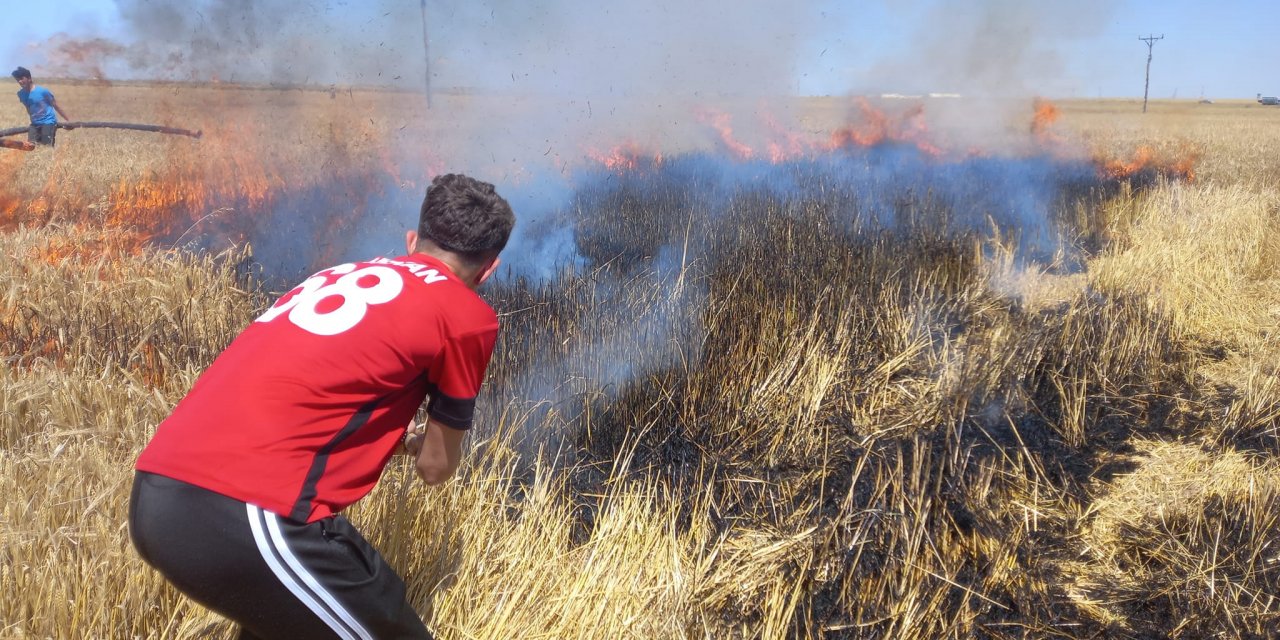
275	577
42	134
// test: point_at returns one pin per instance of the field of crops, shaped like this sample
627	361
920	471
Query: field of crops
881	389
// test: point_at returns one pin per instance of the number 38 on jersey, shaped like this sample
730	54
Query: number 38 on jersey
328	308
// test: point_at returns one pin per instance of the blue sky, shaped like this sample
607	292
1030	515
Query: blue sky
1081	48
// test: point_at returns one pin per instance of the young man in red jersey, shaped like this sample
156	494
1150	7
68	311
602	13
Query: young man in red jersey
237	498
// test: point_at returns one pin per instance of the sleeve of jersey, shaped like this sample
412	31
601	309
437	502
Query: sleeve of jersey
456	377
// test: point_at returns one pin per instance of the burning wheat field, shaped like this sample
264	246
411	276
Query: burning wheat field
829	371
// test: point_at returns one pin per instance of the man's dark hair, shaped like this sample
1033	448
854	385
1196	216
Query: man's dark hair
467	217
20	73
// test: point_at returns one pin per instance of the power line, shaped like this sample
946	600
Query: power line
426	50
1151	42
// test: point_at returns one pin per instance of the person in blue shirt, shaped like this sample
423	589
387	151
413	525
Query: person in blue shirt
41	106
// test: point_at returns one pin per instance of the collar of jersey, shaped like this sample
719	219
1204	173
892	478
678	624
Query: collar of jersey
429	260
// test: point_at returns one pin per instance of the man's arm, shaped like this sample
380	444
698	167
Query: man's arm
440	452
54	103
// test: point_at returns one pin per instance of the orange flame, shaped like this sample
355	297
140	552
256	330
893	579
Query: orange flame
86	249
1045	115
873	126
1143	160
229	171
722	123
784	145
625	157
219	192
876	127
9	203
1146	160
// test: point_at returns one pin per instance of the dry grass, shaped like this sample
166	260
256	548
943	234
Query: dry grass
808	428
1196	530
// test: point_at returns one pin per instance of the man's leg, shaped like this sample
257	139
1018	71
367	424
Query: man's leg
330	567
275	577
42	134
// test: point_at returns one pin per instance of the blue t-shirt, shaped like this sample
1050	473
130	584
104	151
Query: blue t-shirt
39	103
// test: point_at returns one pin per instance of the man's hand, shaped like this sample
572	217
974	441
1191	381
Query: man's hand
439	453
412	443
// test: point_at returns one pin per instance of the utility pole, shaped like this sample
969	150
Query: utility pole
1151	42
426	51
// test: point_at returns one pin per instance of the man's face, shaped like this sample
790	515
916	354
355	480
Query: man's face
25	83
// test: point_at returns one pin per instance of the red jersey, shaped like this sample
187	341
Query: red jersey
301	412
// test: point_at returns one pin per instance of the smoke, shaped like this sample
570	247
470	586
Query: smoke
664	49
522	92
275	42
658	52
541	85
996	48
655	51
600	73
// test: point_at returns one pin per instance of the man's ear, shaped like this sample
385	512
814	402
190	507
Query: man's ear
488	271
410	241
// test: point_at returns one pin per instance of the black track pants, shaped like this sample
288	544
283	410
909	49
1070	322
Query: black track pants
276	577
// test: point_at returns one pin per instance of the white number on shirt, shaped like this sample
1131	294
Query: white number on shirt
311	304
